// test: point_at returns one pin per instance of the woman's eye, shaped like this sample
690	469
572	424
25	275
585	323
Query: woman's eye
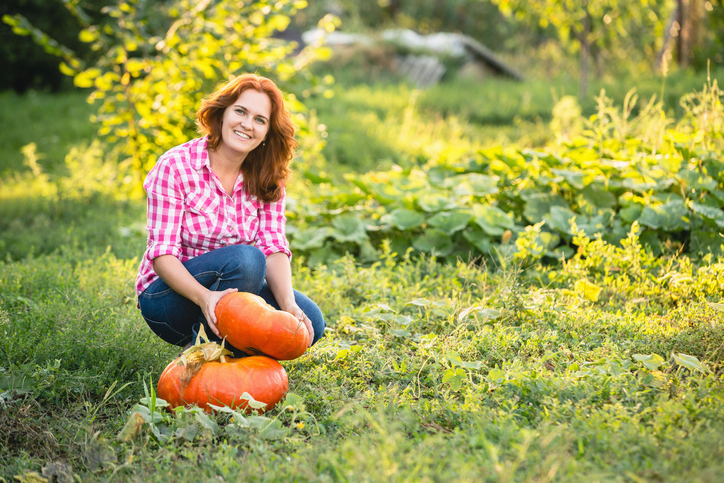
260	120
240	111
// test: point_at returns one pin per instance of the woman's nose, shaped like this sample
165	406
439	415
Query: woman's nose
246	122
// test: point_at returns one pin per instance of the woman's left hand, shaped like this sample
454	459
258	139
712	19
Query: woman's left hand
301	317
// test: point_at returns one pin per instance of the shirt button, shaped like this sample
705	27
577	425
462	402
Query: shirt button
223	243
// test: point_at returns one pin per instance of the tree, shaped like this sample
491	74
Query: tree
159	59
584	24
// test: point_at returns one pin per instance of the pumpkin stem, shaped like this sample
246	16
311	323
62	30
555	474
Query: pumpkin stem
200	353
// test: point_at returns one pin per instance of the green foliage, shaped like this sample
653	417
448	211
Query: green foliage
603	365
155	66
620	169
424	360
614	28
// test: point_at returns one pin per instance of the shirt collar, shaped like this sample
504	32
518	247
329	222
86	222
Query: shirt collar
200	153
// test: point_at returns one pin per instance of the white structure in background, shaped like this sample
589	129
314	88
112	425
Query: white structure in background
425	69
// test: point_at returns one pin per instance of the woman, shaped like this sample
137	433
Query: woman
216	216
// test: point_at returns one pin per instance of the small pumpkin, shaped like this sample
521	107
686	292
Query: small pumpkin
203	375
255	327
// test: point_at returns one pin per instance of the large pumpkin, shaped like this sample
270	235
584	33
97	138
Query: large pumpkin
255	327
194	380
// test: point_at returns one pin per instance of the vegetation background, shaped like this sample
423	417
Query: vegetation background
522	280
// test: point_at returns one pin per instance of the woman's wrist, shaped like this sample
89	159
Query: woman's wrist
287	305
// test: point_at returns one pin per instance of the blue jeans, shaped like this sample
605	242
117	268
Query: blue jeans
176	319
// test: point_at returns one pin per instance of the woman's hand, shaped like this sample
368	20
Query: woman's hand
208	307
301	317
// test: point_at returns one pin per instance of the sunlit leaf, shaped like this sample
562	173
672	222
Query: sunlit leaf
434	241
651	361
404	219
690	362
588	290
450	222
454	377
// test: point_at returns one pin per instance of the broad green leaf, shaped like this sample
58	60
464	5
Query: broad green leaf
402	320
559	218
573	178
496	375
274	430
451	221
206	422
349	228
478	239
492	220
310	238
384	307
345	199
401	333
599	196
454	358
651	361
631	213
404	219
454	377
548	240
434	241
711	212
385	193
690	362
252	403
293	402
697	180
472	184
435	202
672	216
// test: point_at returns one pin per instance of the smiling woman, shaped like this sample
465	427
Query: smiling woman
216	216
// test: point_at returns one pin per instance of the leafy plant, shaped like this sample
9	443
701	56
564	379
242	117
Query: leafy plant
622	169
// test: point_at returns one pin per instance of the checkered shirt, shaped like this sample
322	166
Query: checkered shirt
189	213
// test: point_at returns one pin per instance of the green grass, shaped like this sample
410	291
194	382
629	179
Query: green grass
53	122
374	125
431	371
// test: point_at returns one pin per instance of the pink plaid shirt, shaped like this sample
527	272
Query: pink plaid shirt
189	213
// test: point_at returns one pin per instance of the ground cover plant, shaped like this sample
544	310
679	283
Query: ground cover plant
510	366
622	165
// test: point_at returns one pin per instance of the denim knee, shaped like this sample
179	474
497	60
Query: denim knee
247	257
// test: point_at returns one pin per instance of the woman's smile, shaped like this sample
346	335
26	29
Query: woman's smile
246	123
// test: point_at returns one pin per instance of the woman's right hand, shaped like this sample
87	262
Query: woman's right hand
208	307
172	271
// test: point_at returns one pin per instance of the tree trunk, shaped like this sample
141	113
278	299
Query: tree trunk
585	51
682	47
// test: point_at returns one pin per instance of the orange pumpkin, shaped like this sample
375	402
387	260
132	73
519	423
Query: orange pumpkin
255	327
196	380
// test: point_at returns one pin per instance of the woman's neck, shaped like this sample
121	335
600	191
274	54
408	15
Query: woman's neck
226	167
224	162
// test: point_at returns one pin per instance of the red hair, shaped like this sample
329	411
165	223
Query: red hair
266	168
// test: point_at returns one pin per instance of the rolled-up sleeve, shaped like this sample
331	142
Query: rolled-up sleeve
271	237
165	211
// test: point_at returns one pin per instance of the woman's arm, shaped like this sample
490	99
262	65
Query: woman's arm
279	278
172	271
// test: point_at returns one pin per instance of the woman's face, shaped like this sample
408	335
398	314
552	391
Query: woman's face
245	123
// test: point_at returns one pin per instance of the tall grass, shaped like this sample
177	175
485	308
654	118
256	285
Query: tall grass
54	122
